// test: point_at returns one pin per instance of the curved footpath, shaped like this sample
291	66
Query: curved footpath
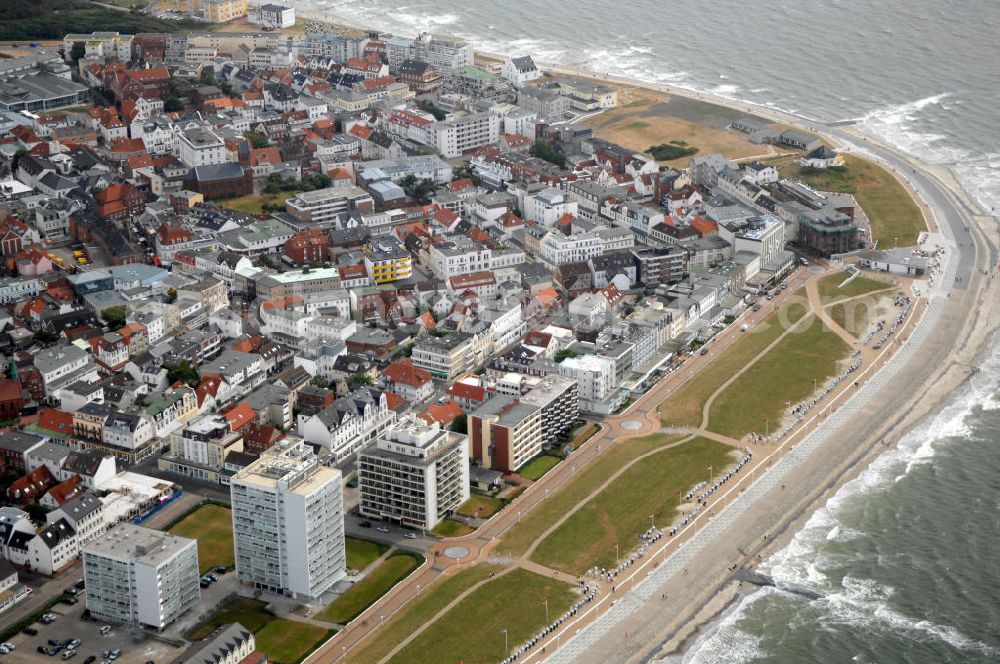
660	611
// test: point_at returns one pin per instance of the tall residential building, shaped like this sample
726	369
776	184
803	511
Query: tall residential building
199	146
387	260
139	576
325	205
505	433
220	11
452	138
288	522
557	397
415	474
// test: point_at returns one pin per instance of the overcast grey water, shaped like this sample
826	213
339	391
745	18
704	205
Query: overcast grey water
905	556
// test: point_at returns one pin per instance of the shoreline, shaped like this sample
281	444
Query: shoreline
917	406
775	115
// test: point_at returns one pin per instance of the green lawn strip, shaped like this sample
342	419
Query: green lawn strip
362	553
894	216
254	203
472	631
451	528
534	469
516	541
683	407
855	316
829	287
212	526
247	612
482	506
288	641
416	612
583	435
785	373
365	592
621	512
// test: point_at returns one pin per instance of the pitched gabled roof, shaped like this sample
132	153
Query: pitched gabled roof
405	373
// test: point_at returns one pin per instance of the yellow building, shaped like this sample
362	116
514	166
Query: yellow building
587	95
220	11
387	260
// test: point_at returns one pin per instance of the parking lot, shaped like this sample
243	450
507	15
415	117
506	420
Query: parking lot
137	646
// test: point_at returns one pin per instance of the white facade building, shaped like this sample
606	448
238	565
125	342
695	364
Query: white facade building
415	474
288	523
139	576
199	146
548	205
452	138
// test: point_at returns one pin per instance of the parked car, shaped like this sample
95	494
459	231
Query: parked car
410	536
382	529
9	646
4	650
90	659
365	524
30	631
68	654
105	629
221	569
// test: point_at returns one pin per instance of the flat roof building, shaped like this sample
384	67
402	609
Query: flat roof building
288	522
415	474
139	576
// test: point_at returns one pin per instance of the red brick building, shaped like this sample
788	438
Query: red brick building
11	399
307	246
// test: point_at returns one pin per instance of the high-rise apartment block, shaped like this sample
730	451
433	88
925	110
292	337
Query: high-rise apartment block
288	522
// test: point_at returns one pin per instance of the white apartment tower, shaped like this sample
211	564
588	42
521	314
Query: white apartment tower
139	576
415	474
288	522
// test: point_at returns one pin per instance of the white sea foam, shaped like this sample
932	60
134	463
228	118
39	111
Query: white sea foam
858	601
724	642
864	603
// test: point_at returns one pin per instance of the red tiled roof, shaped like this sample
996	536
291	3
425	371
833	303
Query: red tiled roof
361	132
66	490
56	421
125	145
239	416
404	372
442	414
395	401
461	390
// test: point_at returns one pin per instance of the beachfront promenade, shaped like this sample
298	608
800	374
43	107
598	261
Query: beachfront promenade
667	597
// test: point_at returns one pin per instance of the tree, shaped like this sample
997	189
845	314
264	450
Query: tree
20	154
172	105
460	424
257	139
564	353
208	77
45	337
171	295
549	153
361	378
36	512
319	381
114	316
181	371
78	51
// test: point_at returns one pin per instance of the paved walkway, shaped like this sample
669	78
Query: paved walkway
646	411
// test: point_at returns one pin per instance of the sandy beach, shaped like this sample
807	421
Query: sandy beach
652	621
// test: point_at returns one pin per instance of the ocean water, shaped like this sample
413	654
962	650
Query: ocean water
905	555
